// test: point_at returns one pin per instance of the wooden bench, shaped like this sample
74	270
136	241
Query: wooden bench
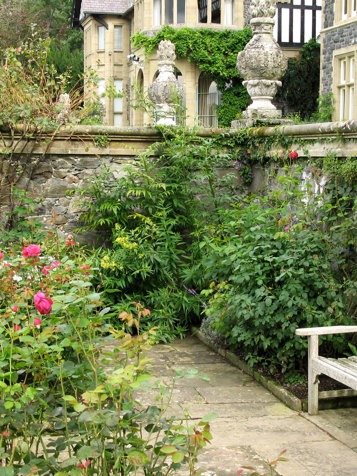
342	370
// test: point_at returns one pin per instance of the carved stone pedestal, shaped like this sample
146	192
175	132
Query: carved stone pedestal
262	63
166	92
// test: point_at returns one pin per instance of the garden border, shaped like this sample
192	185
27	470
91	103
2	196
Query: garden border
294	403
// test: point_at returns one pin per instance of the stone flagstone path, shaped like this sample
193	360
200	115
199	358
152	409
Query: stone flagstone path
252	426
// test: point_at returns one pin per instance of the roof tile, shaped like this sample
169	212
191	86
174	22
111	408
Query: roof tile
105	6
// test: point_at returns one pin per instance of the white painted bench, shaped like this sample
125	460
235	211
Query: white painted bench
342	370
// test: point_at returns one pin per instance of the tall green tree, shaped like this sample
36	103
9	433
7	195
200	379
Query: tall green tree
50	19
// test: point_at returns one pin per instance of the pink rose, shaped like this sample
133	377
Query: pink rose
37	321
31	250
15	308
45	270
43	304
1	255
55	264
293	155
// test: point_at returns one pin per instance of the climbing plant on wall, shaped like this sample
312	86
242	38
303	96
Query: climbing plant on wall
215	53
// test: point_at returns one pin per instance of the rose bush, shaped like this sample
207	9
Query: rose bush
61	411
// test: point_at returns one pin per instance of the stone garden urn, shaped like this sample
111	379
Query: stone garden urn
262	63
166	92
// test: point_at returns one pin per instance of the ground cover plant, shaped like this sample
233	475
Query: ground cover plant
61	410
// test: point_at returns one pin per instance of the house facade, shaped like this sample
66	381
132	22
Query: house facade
109	24
339	56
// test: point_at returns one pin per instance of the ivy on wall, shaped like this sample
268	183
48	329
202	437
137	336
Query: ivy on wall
213	52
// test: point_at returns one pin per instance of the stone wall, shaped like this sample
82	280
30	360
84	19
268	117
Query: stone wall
333	40
329	13
73	159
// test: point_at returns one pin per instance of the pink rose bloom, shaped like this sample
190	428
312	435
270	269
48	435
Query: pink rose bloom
293	155
45	269
15	308
43	304
37	321
1	255
31	250
55	264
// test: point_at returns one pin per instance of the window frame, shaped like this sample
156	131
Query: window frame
316	13
101	28
120	29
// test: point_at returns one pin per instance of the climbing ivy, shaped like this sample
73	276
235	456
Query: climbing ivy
213	52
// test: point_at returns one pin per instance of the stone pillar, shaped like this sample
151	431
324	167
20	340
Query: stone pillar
166	92
262	63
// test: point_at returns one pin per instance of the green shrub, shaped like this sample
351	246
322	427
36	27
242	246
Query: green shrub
272	274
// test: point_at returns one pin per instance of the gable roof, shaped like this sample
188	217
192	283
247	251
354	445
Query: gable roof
82	8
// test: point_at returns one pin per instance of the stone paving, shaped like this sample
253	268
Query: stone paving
252	426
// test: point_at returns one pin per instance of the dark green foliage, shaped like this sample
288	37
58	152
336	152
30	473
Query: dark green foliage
275	281
302	80
213	52
152	218
67	58
235	99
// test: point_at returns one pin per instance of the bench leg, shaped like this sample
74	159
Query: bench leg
313	382
313	394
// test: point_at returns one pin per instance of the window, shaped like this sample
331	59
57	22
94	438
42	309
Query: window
216	11
229	12
156	20
181	11
118	103
202	11
208	98
169	12
346	86
297	22
118	37
101	91
345	9
101	38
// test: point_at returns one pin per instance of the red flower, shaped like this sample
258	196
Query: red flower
43	304
1	255
31	250
70	243
37	321
17	328
15	308
84	465
293	155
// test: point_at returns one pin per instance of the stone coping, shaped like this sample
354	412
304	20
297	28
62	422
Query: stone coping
130	141
341	398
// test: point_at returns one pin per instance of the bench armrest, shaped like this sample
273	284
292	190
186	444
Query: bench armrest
317	331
